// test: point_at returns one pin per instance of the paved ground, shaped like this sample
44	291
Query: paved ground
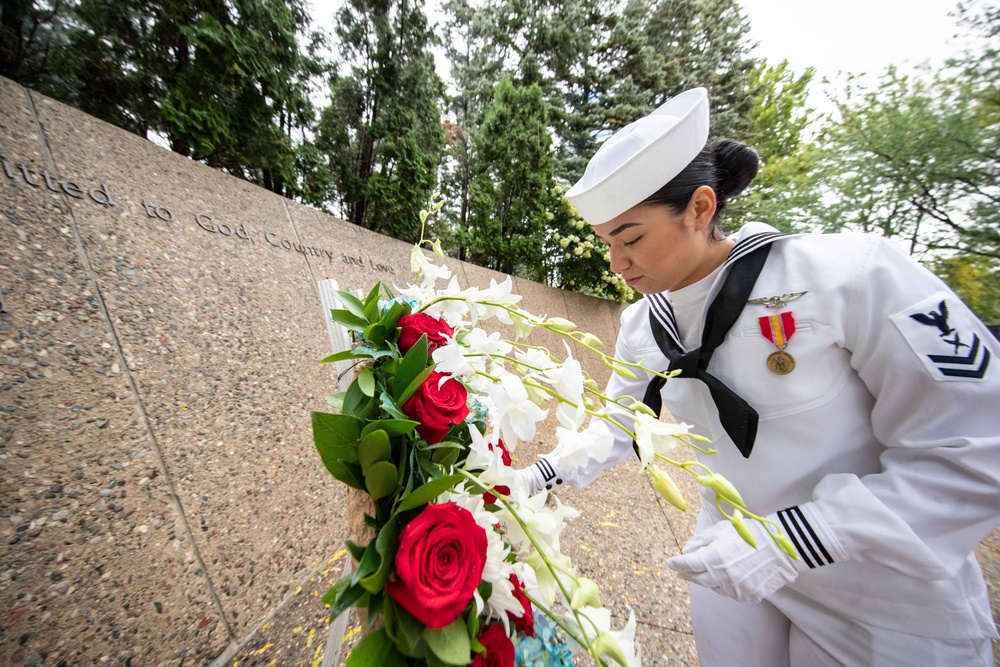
622	540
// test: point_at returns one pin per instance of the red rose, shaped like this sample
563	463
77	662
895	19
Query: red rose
439	563
437	405
526	623
411	327
499	649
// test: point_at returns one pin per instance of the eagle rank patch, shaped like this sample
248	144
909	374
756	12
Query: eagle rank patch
946	337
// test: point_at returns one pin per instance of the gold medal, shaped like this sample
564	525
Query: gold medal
778	329
780	363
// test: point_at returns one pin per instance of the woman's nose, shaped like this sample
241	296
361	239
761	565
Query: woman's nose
618	260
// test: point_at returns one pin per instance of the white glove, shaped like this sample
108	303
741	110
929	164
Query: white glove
540	476
718	558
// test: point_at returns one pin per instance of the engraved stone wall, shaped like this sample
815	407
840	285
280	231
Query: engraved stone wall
160	497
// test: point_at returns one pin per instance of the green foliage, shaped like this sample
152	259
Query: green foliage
599	65
510	189
578	260
31	32
221	81
784	193
976	280
705	44
916	157
381	135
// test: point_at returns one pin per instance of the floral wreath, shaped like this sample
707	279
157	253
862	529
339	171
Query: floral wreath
464	561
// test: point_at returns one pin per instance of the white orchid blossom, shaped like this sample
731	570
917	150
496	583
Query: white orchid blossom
452	360
543	523
575	449
488	303
653	436
516	416
566	380
425	270
535	358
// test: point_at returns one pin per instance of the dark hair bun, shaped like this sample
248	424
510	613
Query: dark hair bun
737	164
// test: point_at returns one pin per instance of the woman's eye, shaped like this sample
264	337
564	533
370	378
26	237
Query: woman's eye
632	242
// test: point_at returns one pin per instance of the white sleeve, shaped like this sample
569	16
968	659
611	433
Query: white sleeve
621	449
934	372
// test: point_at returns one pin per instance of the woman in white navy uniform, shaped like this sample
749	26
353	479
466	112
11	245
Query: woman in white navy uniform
850	396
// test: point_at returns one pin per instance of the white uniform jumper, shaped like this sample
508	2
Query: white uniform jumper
883	445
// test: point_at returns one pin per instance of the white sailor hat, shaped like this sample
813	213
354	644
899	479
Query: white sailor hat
642	157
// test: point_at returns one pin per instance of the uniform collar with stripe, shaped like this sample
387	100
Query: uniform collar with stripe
748	238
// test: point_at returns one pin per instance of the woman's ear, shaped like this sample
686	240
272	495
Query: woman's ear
701	207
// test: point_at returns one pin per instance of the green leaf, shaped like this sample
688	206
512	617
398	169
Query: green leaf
390	408
358	405
356	550
410	366
412	388
336	436
348	473
407	630
393	427
380	480
342	596
391	318
366	382
348	320
450	643
446	456
374	447
427	492
376	649
372	297
376	333
385	546
351	303
344	355
375	601
336	400
367	564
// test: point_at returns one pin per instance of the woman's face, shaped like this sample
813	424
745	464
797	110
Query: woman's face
655	249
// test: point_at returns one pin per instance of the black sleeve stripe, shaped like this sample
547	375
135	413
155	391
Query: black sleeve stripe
544	467
806	542
795	540
812	533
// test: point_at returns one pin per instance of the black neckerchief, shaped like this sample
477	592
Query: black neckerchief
745	263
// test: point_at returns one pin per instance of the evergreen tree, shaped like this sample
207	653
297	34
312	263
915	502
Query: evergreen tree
31	31
221	81
704	43
510	191
382	134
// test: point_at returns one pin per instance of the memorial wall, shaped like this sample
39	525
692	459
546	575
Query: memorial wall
161	499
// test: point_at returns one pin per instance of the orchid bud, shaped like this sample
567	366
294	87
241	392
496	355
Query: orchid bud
586	594
639	406
591	340
437	249
741	527
560	324
607	645
786	545
667	488
722	487
624	372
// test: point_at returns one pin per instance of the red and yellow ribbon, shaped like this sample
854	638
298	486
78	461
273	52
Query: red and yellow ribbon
778	328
